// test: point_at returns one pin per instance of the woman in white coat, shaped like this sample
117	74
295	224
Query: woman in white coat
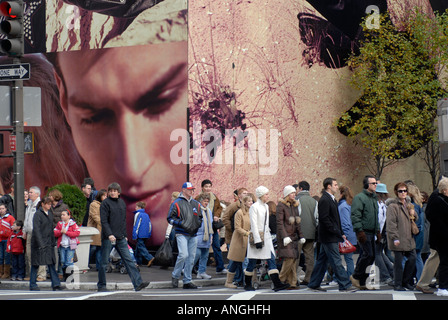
261	249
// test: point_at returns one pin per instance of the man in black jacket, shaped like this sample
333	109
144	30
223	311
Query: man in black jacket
113	223
329	235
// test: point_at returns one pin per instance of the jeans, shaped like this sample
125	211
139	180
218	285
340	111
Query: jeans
18	266
185	259
4	256
271	264
383	263
202	256
121	246
418	264
53	276
349	263
217	253
329	253
66	256
95	251
141	251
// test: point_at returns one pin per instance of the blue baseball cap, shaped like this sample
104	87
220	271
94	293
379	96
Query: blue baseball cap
188	185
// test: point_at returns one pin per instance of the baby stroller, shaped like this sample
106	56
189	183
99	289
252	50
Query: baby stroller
116	263
261	268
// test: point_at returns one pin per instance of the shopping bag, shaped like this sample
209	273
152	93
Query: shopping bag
346	247
164	255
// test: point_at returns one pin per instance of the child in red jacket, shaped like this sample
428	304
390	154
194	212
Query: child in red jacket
66	233
16	248
6	221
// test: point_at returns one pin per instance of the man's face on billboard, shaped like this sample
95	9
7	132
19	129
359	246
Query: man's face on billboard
122	104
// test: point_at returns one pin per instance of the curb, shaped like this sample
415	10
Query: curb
113	286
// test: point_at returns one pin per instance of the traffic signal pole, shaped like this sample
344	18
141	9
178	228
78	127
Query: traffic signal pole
13	46
19	158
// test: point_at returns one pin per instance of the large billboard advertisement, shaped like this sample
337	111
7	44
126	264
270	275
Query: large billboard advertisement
150	93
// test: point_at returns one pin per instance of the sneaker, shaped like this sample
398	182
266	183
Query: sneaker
175	282
203	275
349	289
442	293
190	285
223	271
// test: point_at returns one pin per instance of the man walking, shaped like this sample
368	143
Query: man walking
186	217
309	218
113	223
329	235
34	199
215	206
364	214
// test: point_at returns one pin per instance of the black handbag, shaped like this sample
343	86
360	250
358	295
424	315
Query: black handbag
217	225
164	255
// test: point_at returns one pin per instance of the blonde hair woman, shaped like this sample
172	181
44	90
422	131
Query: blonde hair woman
238	244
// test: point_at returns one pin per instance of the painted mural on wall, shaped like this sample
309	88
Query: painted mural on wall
276	73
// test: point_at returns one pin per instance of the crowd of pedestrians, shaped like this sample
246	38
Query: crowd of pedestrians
393	233
402	235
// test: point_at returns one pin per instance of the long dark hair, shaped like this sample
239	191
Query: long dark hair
347	194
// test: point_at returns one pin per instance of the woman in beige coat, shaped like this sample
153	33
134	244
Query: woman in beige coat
95	221
399	237
238	244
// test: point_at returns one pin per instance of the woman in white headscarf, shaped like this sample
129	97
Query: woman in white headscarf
261	248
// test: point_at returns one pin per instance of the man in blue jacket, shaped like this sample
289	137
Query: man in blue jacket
186	217
141	232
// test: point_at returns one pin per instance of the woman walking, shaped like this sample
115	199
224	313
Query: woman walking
399	237
289	236
238	244
262	247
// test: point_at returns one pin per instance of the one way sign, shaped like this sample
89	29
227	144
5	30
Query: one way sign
14	72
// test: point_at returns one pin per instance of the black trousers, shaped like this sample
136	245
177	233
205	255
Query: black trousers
366	259
403	276
443	269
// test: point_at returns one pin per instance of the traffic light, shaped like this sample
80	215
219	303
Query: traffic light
12	27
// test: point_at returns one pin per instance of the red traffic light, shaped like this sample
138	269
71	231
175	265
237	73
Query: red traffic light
11	9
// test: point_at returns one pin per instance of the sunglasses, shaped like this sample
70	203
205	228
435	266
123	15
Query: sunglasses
402	191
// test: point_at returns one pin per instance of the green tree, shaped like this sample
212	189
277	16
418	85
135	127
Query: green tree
74	198
400	76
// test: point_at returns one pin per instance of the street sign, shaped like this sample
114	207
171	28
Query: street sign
31	106
10	72
12	143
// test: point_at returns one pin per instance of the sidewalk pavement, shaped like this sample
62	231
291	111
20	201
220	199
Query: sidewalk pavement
159	278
